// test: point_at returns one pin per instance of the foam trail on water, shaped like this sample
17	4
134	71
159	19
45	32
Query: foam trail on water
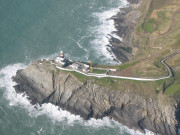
52	111
80	46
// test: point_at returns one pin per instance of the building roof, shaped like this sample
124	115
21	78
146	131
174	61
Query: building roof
61	54
75	65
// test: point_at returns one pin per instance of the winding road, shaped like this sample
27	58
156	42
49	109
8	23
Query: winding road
124	77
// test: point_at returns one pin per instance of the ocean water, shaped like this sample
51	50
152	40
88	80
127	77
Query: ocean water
36	29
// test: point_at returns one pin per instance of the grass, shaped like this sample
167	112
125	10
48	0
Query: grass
140	29
143	88
124	66
80	77
177	61
57	70
157	4
111	83
157	63
157	41
165	52
99	71
172	89
150	66
177	43
155	24
150	26
173	84
162	15
159	82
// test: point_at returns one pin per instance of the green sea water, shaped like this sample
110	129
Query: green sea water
36	29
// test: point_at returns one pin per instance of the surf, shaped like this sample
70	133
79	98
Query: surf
55	113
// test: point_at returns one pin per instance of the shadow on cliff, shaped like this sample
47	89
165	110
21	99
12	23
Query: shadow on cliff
178	118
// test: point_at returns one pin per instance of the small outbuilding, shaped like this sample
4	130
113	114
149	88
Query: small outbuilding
75	66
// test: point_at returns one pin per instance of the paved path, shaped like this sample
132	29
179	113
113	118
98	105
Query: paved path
165	34
124	77
164	63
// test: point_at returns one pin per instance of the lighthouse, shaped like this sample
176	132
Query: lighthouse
61	59
62	56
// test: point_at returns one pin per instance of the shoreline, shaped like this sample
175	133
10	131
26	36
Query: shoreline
50	110
89	100
125	22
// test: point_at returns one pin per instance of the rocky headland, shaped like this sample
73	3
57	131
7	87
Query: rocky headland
125	22
138	109
43	83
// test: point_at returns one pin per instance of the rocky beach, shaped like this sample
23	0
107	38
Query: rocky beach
94	67
138	109
125	22
44	83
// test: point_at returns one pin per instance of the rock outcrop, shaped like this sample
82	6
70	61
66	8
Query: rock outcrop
125	22
43	82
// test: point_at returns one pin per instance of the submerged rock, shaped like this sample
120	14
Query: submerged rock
43	83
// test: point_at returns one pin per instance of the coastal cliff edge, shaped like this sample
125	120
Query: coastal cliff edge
43	83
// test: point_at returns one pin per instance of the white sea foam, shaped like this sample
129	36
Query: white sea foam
105	30
78	43
52	111
6	81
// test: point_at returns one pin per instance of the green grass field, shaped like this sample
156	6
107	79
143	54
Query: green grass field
152	45
99	71
172	89
80	77
124	66
150	26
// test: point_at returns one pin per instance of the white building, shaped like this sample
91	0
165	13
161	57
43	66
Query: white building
75	65
61	59
85	67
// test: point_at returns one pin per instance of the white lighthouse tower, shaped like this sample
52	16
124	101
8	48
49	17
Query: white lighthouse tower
61	59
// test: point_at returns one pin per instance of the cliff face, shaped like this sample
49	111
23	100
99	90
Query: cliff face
44	83
125	23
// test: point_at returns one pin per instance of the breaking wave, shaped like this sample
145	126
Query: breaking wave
105	30
54	112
